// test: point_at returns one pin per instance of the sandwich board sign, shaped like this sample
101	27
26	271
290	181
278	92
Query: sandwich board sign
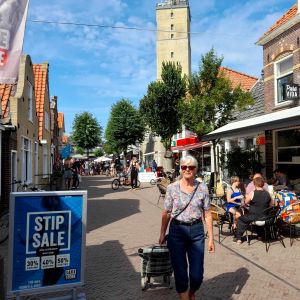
46	242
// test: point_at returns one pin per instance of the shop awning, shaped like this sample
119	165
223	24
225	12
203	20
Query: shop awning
191	146
276	120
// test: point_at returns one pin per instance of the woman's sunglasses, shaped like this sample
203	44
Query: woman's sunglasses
188	167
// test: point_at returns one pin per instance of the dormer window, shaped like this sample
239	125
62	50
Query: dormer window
283	76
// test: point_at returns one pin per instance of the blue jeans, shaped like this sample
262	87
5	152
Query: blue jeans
186	246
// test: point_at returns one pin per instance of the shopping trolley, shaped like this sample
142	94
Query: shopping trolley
155	262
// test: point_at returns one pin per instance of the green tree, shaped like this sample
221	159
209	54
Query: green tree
86	131
98	152
160	106
79	150
212	99
242	162
125	127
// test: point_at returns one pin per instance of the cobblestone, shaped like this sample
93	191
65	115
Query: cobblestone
122	221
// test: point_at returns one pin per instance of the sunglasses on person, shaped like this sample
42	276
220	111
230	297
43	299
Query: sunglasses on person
188	167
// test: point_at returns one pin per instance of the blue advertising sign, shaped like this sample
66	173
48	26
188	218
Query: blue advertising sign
47	241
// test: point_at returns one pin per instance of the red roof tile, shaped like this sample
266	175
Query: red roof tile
246	82
41	80
285	18
5	93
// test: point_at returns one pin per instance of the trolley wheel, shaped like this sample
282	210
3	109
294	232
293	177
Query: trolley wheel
153	181
144	283
167	280
138	183
115	184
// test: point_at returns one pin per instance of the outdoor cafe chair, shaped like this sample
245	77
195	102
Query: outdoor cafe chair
269	223
222	218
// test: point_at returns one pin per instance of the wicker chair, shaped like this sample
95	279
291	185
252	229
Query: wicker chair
222	217
162	188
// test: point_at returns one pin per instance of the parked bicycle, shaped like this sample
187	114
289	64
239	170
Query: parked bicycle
122	180
24	187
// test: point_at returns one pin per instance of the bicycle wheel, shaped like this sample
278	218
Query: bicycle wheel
4	224
138	183
153	181
115	184
22	188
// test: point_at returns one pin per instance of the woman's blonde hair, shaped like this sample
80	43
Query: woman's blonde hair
234	179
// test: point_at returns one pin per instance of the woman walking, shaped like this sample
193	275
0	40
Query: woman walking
186	205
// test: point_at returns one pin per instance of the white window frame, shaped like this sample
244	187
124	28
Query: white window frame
36	162
276	148
276	77
14	169
45	161
26	160
46	121
29	101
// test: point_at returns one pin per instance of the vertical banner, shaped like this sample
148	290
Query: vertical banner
47	242
13	15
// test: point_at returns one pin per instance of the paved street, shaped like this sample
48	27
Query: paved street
120	222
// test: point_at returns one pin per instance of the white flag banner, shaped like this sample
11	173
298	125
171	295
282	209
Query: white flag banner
13	15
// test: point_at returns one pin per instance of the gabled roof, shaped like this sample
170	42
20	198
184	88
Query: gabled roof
41	81
5	93
257	109
245	81
282	20
60	120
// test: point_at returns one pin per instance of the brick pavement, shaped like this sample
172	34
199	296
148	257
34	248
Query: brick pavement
120	222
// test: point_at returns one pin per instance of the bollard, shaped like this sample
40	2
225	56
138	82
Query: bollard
2	293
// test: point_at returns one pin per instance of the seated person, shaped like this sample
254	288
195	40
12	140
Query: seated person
251	187
281	179
259	201
234	197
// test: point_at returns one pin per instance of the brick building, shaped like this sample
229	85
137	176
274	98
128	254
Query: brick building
279	126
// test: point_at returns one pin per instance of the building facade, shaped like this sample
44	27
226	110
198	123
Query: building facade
173	34
278	128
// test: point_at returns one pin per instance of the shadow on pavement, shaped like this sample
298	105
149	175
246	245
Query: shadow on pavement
228	284
100	212
110	276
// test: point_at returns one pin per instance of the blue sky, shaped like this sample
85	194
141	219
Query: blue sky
92	68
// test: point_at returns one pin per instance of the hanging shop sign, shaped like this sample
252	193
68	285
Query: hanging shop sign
291	91
47	242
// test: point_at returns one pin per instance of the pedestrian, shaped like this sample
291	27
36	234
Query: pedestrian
154	166
186	205
134	170
68	174
177	168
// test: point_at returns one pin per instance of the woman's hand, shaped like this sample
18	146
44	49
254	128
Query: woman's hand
162	240
211	246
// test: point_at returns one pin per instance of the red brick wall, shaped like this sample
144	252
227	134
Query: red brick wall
282	46
9	142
